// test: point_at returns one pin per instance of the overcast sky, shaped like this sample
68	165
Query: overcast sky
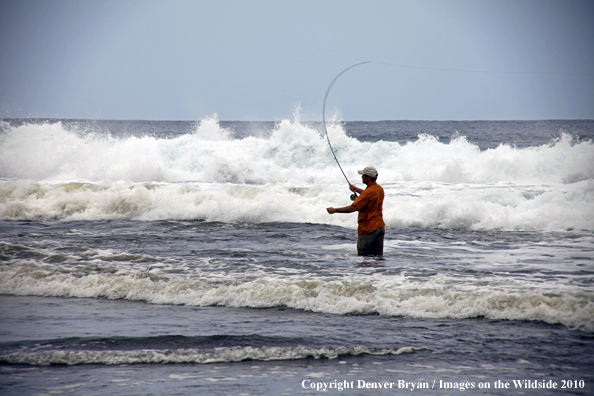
259	60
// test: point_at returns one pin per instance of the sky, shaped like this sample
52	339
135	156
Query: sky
269	59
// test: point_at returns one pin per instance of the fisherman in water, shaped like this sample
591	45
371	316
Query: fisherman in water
369	203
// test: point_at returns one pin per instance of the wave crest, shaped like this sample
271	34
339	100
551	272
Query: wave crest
385	295
216	355
292	151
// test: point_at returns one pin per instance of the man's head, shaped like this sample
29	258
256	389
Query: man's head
369	172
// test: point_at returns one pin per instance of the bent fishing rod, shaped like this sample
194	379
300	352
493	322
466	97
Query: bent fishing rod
354	195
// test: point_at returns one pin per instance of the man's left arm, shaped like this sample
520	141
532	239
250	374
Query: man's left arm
344	209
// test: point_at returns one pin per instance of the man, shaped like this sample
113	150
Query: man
371	230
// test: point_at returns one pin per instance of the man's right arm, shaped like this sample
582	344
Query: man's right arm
355	188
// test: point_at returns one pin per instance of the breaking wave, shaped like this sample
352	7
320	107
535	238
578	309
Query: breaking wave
293	151
216	355
440	296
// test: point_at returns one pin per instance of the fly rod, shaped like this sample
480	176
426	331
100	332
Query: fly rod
354	195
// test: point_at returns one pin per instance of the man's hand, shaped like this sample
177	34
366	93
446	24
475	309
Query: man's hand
355	188
331	210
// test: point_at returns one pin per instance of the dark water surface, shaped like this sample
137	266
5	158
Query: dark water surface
478	351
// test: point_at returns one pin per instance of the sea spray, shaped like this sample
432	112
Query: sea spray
56	173
293	151
408	204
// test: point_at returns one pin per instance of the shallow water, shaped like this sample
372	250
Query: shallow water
299	346
145	257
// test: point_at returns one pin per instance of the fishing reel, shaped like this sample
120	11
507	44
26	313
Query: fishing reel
353	196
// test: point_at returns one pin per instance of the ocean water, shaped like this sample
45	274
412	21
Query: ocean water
146	257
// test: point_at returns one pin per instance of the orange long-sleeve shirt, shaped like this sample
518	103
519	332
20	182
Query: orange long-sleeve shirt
370	206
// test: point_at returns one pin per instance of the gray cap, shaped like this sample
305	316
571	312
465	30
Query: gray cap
369	171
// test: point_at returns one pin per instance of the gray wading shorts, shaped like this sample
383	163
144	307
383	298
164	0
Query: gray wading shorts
371	244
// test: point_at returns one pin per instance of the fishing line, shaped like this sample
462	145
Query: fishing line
481	71
422	68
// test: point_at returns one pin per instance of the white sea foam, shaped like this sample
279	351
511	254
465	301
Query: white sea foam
216	355
438	296
416	204
293	151
52	173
